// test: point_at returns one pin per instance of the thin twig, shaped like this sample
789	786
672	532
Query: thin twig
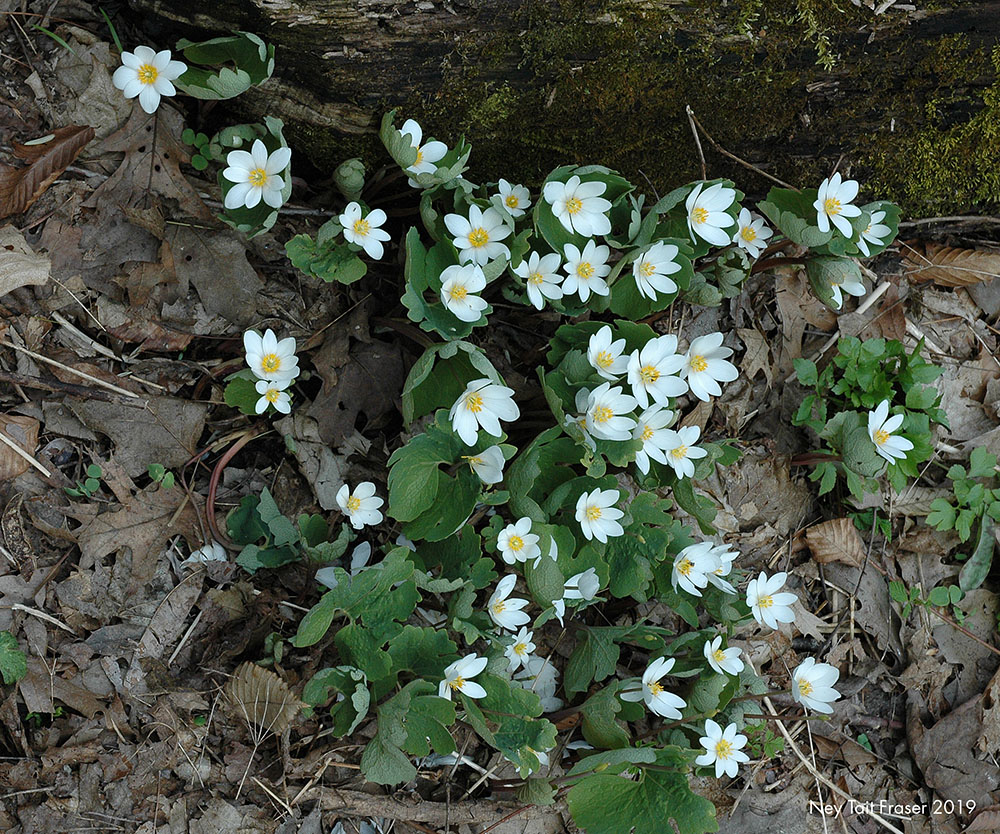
734	157
697	141
23	454
69	370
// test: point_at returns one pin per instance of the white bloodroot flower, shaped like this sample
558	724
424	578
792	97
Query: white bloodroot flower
652	369
515	198
812	685
427	154
876	232
541	277
725	558
270	359
880	429
652	267
359	561
605	407
578	422
483	404
539	675
724	748
705	366
650	690
517	543
767	605
519	652
751	233
586	270
833	204
488	464
723	661
579	206
650	429
459	285
255	174
148	75
597	516
706	213
852	285
364	231
692	567
582	586
605	356
211	552
506	611
478	237
457	677
681	451
361	506
273	393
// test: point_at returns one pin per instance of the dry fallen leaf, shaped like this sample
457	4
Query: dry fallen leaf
757	357
261	698
836	540
20	187
951	267
19	265
24	432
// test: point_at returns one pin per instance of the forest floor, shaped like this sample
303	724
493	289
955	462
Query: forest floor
115	356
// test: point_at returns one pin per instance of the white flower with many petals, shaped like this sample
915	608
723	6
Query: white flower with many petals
767	605
361	506
652	267
880	429
270	359
692	567
540	676
725	557
705	366
582	586
812	685
650	690
148	75
751	233
723	748
541	277
605	409
427	154
579	206
477	238
605	356
706	213
483	404
833	204
458	677
586	270
517	543
273	393
504	610
652	369
255	176
723	661
650	429
488	464
875	232
364	231
515	198
459	285
681	451
843	282
598	516
519	652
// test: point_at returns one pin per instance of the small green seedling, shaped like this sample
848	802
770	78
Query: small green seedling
160	475
87	488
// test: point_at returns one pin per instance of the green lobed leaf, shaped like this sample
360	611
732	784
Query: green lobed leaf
974	572
251	57
13	663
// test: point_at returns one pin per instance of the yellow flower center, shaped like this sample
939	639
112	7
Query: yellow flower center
602	414
458	683
679	453
604	359
362	227
719	655
270	363
573	205
646	269
458	292
420	156
748	234
881	436
699	215
474	403
832	206
656	687
868	228
499	606
685	566
478	238
515	543
257	177
535	278
805	688
473	460
520	648
353	504
584	269
593	513
271	395
647	433
648	374
765	601
723	749
699	364
148	73
511	201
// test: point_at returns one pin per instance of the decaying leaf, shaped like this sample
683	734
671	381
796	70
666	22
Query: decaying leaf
19	265
757	358
836	540
20	187
950	267
24	432
261	698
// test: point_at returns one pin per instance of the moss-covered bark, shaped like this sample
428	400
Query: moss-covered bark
910	100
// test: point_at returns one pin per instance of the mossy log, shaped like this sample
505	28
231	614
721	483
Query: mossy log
909	99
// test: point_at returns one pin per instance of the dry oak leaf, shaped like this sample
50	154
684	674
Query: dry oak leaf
261	698
47	158
836	540
949	267
19	265
758	355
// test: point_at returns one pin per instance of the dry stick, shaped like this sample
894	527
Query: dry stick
70	389
697	141
69	370
21	453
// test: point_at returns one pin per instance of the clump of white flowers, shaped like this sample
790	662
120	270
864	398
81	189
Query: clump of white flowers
275	365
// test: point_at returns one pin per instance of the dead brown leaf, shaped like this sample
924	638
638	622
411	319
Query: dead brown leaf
758	356
24	432
986	820
20	187
261	698
836	540
19	265
950	267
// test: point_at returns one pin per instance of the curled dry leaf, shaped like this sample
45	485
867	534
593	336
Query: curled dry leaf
950	267
261	698
20	187
24	432
836	540
19	265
